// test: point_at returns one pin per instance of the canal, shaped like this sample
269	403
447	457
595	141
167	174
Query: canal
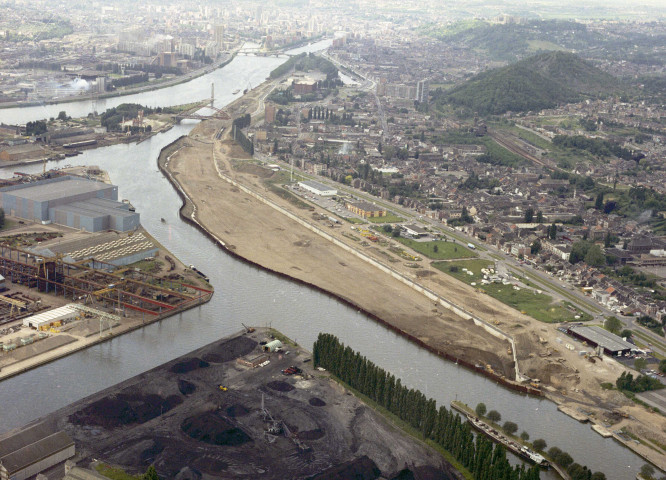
250	295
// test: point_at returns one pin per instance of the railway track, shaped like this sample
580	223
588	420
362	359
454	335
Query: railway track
507	143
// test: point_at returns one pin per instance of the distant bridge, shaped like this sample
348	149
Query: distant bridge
191	114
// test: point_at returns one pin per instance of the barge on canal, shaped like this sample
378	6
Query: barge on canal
496	436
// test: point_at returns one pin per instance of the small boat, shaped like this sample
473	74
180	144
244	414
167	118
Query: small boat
163	221
235	92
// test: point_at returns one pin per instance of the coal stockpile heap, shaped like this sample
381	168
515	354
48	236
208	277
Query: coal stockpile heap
360	469
230	350
188	365
213	429
279	386
204	416
124	409
237	411
185	387
148	455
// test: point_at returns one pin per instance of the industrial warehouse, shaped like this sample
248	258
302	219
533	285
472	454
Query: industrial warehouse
71	201
32	450
80	269
598	337
318	188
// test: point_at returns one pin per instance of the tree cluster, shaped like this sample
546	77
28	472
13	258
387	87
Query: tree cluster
37	127
652	324
642	383
473	182
588	252
596	146
242	122
112	118
480	456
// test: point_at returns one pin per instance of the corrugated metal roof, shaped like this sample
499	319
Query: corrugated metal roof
68	187
91	209
51	315
34	452
24	437
316	185
602	337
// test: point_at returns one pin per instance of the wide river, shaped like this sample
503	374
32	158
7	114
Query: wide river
255	297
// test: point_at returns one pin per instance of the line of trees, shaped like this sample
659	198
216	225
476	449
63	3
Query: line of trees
143	67
242	140
481	457
40	64
129	80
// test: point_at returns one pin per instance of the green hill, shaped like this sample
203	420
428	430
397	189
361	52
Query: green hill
514	41
535	83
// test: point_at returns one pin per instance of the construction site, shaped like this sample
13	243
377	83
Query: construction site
248	406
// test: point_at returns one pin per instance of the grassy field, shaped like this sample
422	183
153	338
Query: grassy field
9	224
537	305
115	473
553	286
389	218
445	250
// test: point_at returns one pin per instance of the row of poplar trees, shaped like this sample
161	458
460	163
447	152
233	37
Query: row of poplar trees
239	136
481	457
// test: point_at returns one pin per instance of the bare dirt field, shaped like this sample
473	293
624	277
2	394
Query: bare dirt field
177	418
259	233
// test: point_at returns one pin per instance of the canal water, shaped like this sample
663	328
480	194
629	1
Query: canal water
247	294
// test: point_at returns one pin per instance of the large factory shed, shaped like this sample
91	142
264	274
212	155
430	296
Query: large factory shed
597	336
95	215
33	450
45	320
318	188
71	201
115	248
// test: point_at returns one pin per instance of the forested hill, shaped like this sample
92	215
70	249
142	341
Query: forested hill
535	83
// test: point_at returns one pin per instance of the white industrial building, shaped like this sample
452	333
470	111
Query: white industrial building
318	188
32	450
44	320
415	231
